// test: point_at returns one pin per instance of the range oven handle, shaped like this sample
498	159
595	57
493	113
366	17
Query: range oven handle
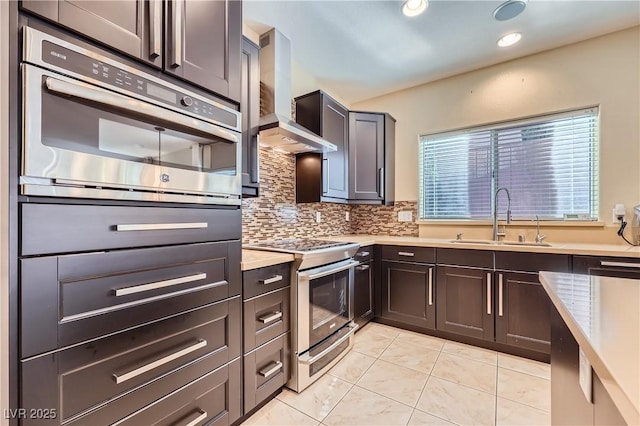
125	103
324	273
307	359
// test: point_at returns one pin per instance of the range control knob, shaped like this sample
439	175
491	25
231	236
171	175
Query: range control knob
186	101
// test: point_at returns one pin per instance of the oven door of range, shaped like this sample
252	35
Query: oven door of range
79	134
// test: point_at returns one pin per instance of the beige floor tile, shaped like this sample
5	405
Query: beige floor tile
319	398
471	352
276	412
411	356
395	382
524	388
419	418
381	329
523	365
371	344
512	413
422	340
352	366
456	403
362	407
464	371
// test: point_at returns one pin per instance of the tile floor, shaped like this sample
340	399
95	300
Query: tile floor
396	377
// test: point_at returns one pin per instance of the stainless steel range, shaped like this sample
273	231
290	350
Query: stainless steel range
322	304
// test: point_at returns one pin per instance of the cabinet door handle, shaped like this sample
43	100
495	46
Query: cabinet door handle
500	294
381	182
266	319
362	267
325	175
176	49
273	279
155	29
620	264
160	226
430	289
200	416
488	293
364	254
406	253
159	284
268	372
120	378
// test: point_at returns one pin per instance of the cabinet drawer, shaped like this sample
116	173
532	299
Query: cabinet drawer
69	299
620	267
216	397
265	317
364	254
462	257
263	280
169	354
531	262
409	254
265	371
57	228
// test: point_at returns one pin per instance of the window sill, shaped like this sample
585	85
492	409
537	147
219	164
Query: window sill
545	223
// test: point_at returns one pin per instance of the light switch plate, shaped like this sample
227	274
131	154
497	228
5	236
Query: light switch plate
405	216
585	376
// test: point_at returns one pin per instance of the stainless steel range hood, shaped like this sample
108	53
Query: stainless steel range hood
277	130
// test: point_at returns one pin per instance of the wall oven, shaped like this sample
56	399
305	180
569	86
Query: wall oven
96	128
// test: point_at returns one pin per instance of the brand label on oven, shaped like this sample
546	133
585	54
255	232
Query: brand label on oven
58	55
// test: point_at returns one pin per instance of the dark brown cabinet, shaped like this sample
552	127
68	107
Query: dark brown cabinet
324	116
407	292
607	266
363	292
250	110
371	158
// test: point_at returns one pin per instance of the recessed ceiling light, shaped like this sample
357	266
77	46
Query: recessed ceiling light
509	10
509	39
414	7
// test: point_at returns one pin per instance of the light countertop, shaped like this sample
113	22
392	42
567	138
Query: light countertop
603	314
253	259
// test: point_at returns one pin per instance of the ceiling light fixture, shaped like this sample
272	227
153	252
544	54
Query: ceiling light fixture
414	7
509	39
509	10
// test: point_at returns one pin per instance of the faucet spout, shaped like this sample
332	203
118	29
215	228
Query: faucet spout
496	234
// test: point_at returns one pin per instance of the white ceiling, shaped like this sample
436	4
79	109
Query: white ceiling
362	49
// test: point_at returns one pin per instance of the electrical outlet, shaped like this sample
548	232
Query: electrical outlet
318	217
618	212
346	216
405	216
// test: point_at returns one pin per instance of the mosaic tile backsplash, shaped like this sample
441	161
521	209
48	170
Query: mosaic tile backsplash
275	214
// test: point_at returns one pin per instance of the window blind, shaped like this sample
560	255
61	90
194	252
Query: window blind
549	164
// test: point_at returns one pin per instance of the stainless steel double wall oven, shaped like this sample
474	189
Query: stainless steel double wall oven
97	128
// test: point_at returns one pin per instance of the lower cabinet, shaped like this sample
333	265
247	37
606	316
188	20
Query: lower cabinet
363	291
465	301
266	369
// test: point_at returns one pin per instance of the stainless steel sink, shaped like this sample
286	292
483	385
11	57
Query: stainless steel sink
501	243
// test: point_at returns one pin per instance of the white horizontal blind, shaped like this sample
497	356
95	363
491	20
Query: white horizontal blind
548	164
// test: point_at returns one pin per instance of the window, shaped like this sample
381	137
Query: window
549	164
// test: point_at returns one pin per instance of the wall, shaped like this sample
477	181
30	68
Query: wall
602	71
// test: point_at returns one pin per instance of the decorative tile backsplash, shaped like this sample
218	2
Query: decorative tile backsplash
275	214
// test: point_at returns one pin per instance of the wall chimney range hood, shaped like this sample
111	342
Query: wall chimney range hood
277	129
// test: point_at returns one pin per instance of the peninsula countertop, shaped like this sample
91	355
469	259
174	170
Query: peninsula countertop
603	314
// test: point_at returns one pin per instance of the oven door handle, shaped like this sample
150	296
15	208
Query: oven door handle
309	276
125	103
306	359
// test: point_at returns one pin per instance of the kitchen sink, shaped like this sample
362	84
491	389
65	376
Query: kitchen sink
501	243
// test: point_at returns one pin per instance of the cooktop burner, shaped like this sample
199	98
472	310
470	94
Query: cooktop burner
296	245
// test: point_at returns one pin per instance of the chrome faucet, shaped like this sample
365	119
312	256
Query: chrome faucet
539	238
496	234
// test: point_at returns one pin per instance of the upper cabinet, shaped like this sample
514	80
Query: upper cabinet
371	158
250	110
198	41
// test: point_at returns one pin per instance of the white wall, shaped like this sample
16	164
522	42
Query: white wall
603	71
4	198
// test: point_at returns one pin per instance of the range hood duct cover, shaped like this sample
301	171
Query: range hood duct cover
277	129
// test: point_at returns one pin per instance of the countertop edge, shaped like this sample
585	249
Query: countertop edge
620	398
254	259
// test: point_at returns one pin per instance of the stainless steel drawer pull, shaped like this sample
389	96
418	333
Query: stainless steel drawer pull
200	416
430	289
620	264
266	319
362	267
500	294
364	254
489	293
159	284
268	372
155	28
406	253
161	226
120	378
273	279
